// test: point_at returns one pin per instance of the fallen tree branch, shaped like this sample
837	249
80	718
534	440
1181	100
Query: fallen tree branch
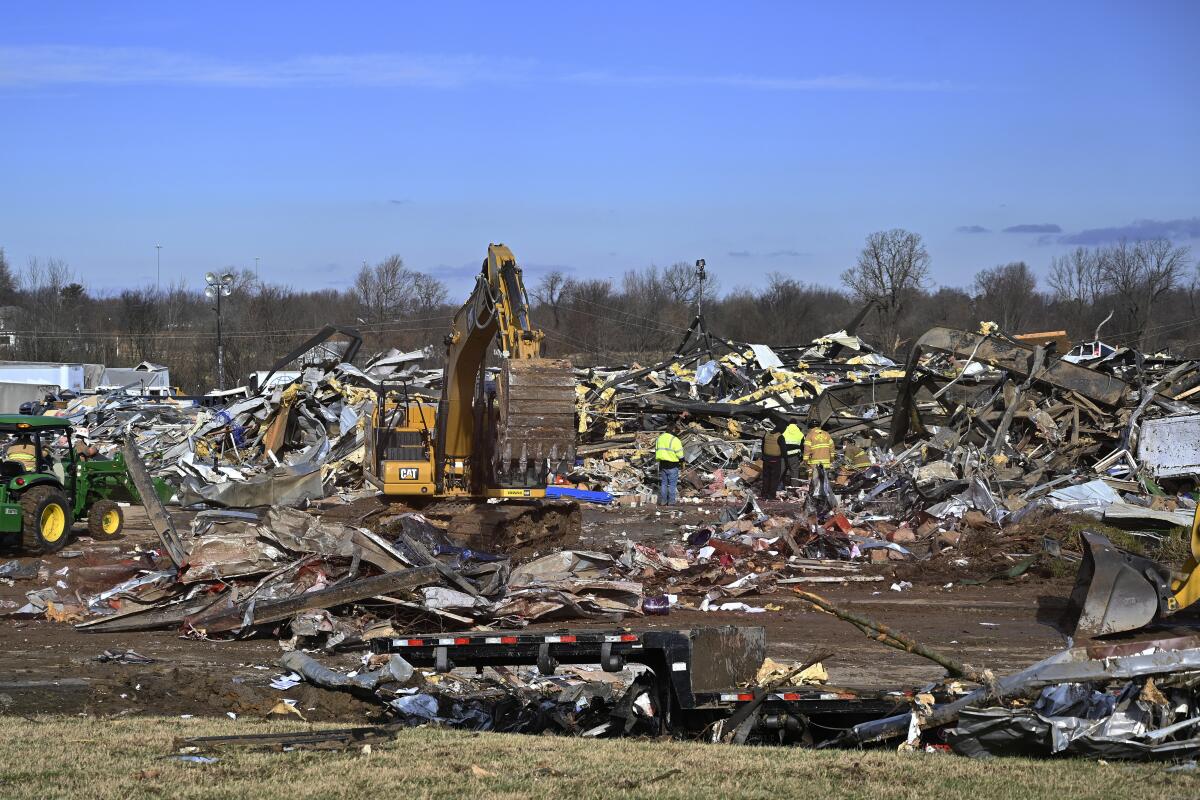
893	638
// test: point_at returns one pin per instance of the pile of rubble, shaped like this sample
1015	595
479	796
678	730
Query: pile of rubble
284	445
974	433
286	572
955	455
725	402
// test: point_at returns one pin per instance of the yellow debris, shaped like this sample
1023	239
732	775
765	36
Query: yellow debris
772	670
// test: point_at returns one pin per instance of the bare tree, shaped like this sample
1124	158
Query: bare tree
141	319
683	283
892	267
947	306
649	311
549	292
635	319
1139	274
52	302
8	284
1006	294
379	289
590	325
1075	281
427	293
788	303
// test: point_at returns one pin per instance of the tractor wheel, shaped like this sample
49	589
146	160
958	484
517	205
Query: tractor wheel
105	519
45	520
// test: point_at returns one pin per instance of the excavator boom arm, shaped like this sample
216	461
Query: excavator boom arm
497	310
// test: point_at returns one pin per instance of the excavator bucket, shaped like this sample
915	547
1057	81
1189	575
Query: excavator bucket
535	425
1116	590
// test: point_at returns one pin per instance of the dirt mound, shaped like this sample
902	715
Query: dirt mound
174	691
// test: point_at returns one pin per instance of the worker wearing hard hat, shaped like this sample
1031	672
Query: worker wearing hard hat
668	451
85	450
818	448
793	450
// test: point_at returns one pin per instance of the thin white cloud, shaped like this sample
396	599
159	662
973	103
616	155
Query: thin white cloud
63	64
818	83
49	65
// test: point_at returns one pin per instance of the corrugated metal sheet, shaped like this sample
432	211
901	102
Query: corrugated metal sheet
1170	446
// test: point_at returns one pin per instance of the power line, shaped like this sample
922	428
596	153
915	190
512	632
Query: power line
575	343
645	324
657	322
1126	335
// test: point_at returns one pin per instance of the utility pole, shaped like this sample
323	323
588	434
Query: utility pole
158	262
256	278
700	275
218	286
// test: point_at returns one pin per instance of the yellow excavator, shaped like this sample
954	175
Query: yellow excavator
481	458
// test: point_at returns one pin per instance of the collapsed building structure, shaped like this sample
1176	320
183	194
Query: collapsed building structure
976	433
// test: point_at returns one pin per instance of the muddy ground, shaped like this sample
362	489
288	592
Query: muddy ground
51	667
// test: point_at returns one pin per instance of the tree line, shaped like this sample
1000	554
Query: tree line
1150	288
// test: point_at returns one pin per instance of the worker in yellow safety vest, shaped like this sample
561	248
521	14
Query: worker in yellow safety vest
818	448
24	452
668	451
793	449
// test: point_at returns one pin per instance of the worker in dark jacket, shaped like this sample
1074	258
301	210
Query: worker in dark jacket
772	457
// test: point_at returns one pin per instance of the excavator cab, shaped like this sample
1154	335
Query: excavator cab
1117	591
400	442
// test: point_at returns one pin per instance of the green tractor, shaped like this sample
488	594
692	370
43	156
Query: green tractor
46	486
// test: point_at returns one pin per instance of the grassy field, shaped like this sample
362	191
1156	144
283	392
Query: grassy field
77	757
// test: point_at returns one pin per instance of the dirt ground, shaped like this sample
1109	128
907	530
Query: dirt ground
50	667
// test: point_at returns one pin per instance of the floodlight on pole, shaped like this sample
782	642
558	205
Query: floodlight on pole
158	263
216	287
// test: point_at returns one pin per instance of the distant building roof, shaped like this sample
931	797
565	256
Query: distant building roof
143	376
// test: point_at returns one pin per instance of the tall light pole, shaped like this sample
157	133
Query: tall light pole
158	262
256	280
219	286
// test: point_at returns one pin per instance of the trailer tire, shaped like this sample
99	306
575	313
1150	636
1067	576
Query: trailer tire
45	520
105	520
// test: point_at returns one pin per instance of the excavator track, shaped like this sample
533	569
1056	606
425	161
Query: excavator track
512	527
519	528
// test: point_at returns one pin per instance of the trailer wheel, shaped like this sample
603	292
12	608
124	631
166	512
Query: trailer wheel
105	519
45	520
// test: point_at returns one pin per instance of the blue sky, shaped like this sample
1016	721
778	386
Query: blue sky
759	136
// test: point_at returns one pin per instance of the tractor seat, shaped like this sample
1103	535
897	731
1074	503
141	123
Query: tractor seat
11	469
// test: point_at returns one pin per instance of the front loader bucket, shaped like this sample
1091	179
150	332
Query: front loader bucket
1115	590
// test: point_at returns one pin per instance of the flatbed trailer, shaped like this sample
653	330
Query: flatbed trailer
696	677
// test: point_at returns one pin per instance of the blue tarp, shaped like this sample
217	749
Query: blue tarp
603	498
